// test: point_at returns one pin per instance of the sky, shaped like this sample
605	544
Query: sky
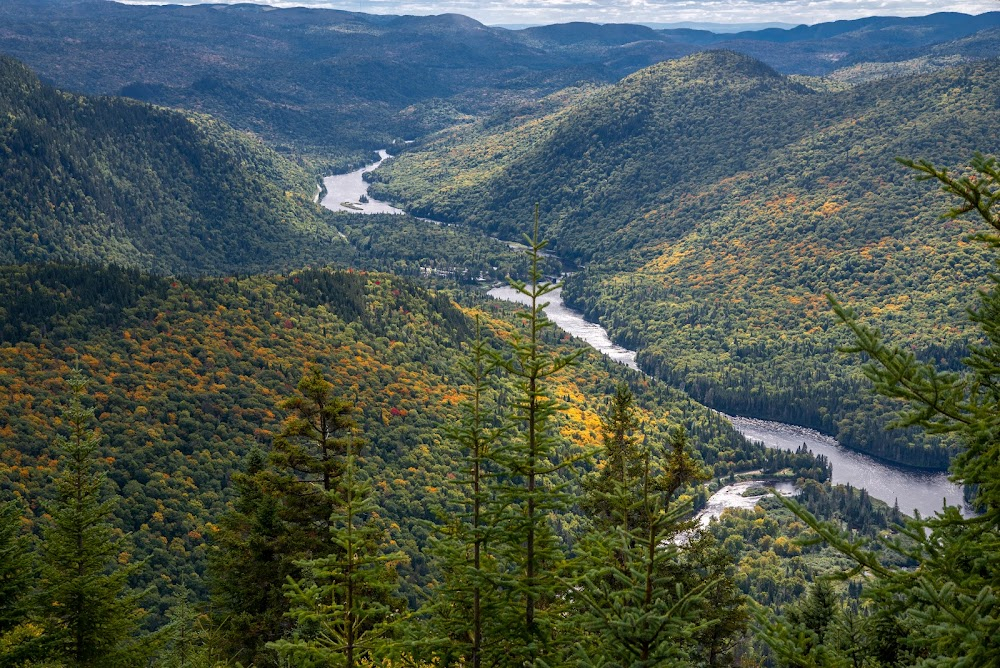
497	12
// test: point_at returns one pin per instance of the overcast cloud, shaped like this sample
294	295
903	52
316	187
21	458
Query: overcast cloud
640	11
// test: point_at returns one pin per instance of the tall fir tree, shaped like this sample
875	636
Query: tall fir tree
456	622
342	607
528	458
280	518
635	601
94	615
610	493
307	461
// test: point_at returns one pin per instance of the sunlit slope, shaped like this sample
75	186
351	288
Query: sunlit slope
716	202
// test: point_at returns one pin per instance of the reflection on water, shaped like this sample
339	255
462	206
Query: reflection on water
913	489
344	192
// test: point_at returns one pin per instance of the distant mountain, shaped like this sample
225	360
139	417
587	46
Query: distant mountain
915	30
306	80
720	27
824	47
714	202
112	180
333	84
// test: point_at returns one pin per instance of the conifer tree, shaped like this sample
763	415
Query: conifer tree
342	607
247	571
948	604
528	458
723	606
458	615
307	461
21	635
189	641
610	494
639	609
281	517
93	614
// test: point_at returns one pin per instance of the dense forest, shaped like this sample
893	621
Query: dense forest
107	179
237	429
187	379
90	179
327	87
715	202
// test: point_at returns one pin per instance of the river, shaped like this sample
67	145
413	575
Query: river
913	489
344	191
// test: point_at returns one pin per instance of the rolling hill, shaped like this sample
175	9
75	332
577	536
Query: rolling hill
333	85
186	376
714	202
112	180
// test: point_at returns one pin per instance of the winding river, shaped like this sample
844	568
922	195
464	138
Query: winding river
344	191
912	489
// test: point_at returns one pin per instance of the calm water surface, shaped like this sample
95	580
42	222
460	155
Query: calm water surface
912	489
344	191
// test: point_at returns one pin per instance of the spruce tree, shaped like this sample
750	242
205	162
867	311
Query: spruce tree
635	600
94	615
247	571
281	517
610	493
307	460
948	603
189	640
455	623
342	607
21	636
528	458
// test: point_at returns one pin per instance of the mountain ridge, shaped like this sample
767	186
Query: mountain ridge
714	209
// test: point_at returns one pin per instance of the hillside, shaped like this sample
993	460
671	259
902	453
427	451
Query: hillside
186	376
330	86
327	83
112	180
714	202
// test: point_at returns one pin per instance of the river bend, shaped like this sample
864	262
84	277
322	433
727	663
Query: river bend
912	489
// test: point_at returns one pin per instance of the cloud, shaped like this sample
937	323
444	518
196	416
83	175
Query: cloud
637	11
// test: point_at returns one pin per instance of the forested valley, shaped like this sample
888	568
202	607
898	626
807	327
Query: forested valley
238	429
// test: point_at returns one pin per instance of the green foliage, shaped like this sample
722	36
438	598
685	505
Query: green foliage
525	538
248	571
457	622
714	202
307	459
611	492
112	180
20	635
408	246
639	609
947	603
341	606
92	614
189	641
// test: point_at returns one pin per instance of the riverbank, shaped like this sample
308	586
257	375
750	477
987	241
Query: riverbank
911	489
349	192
